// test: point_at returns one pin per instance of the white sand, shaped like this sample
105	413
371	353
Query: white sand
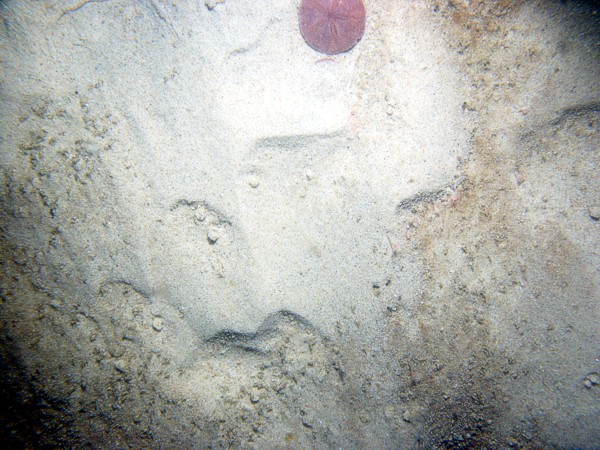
419	205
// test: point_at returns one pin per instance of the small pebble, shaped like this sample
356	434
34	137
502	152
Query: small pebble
121	366
199	216
213	234
211	4
157	323
588	384
594	212
594	378
253	182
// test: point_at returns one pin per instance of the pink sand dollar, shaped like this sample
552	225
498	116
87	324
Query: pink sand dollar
332	26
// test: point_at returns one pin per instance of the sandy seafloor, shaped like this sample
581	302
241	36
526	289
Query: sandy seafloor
215	237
